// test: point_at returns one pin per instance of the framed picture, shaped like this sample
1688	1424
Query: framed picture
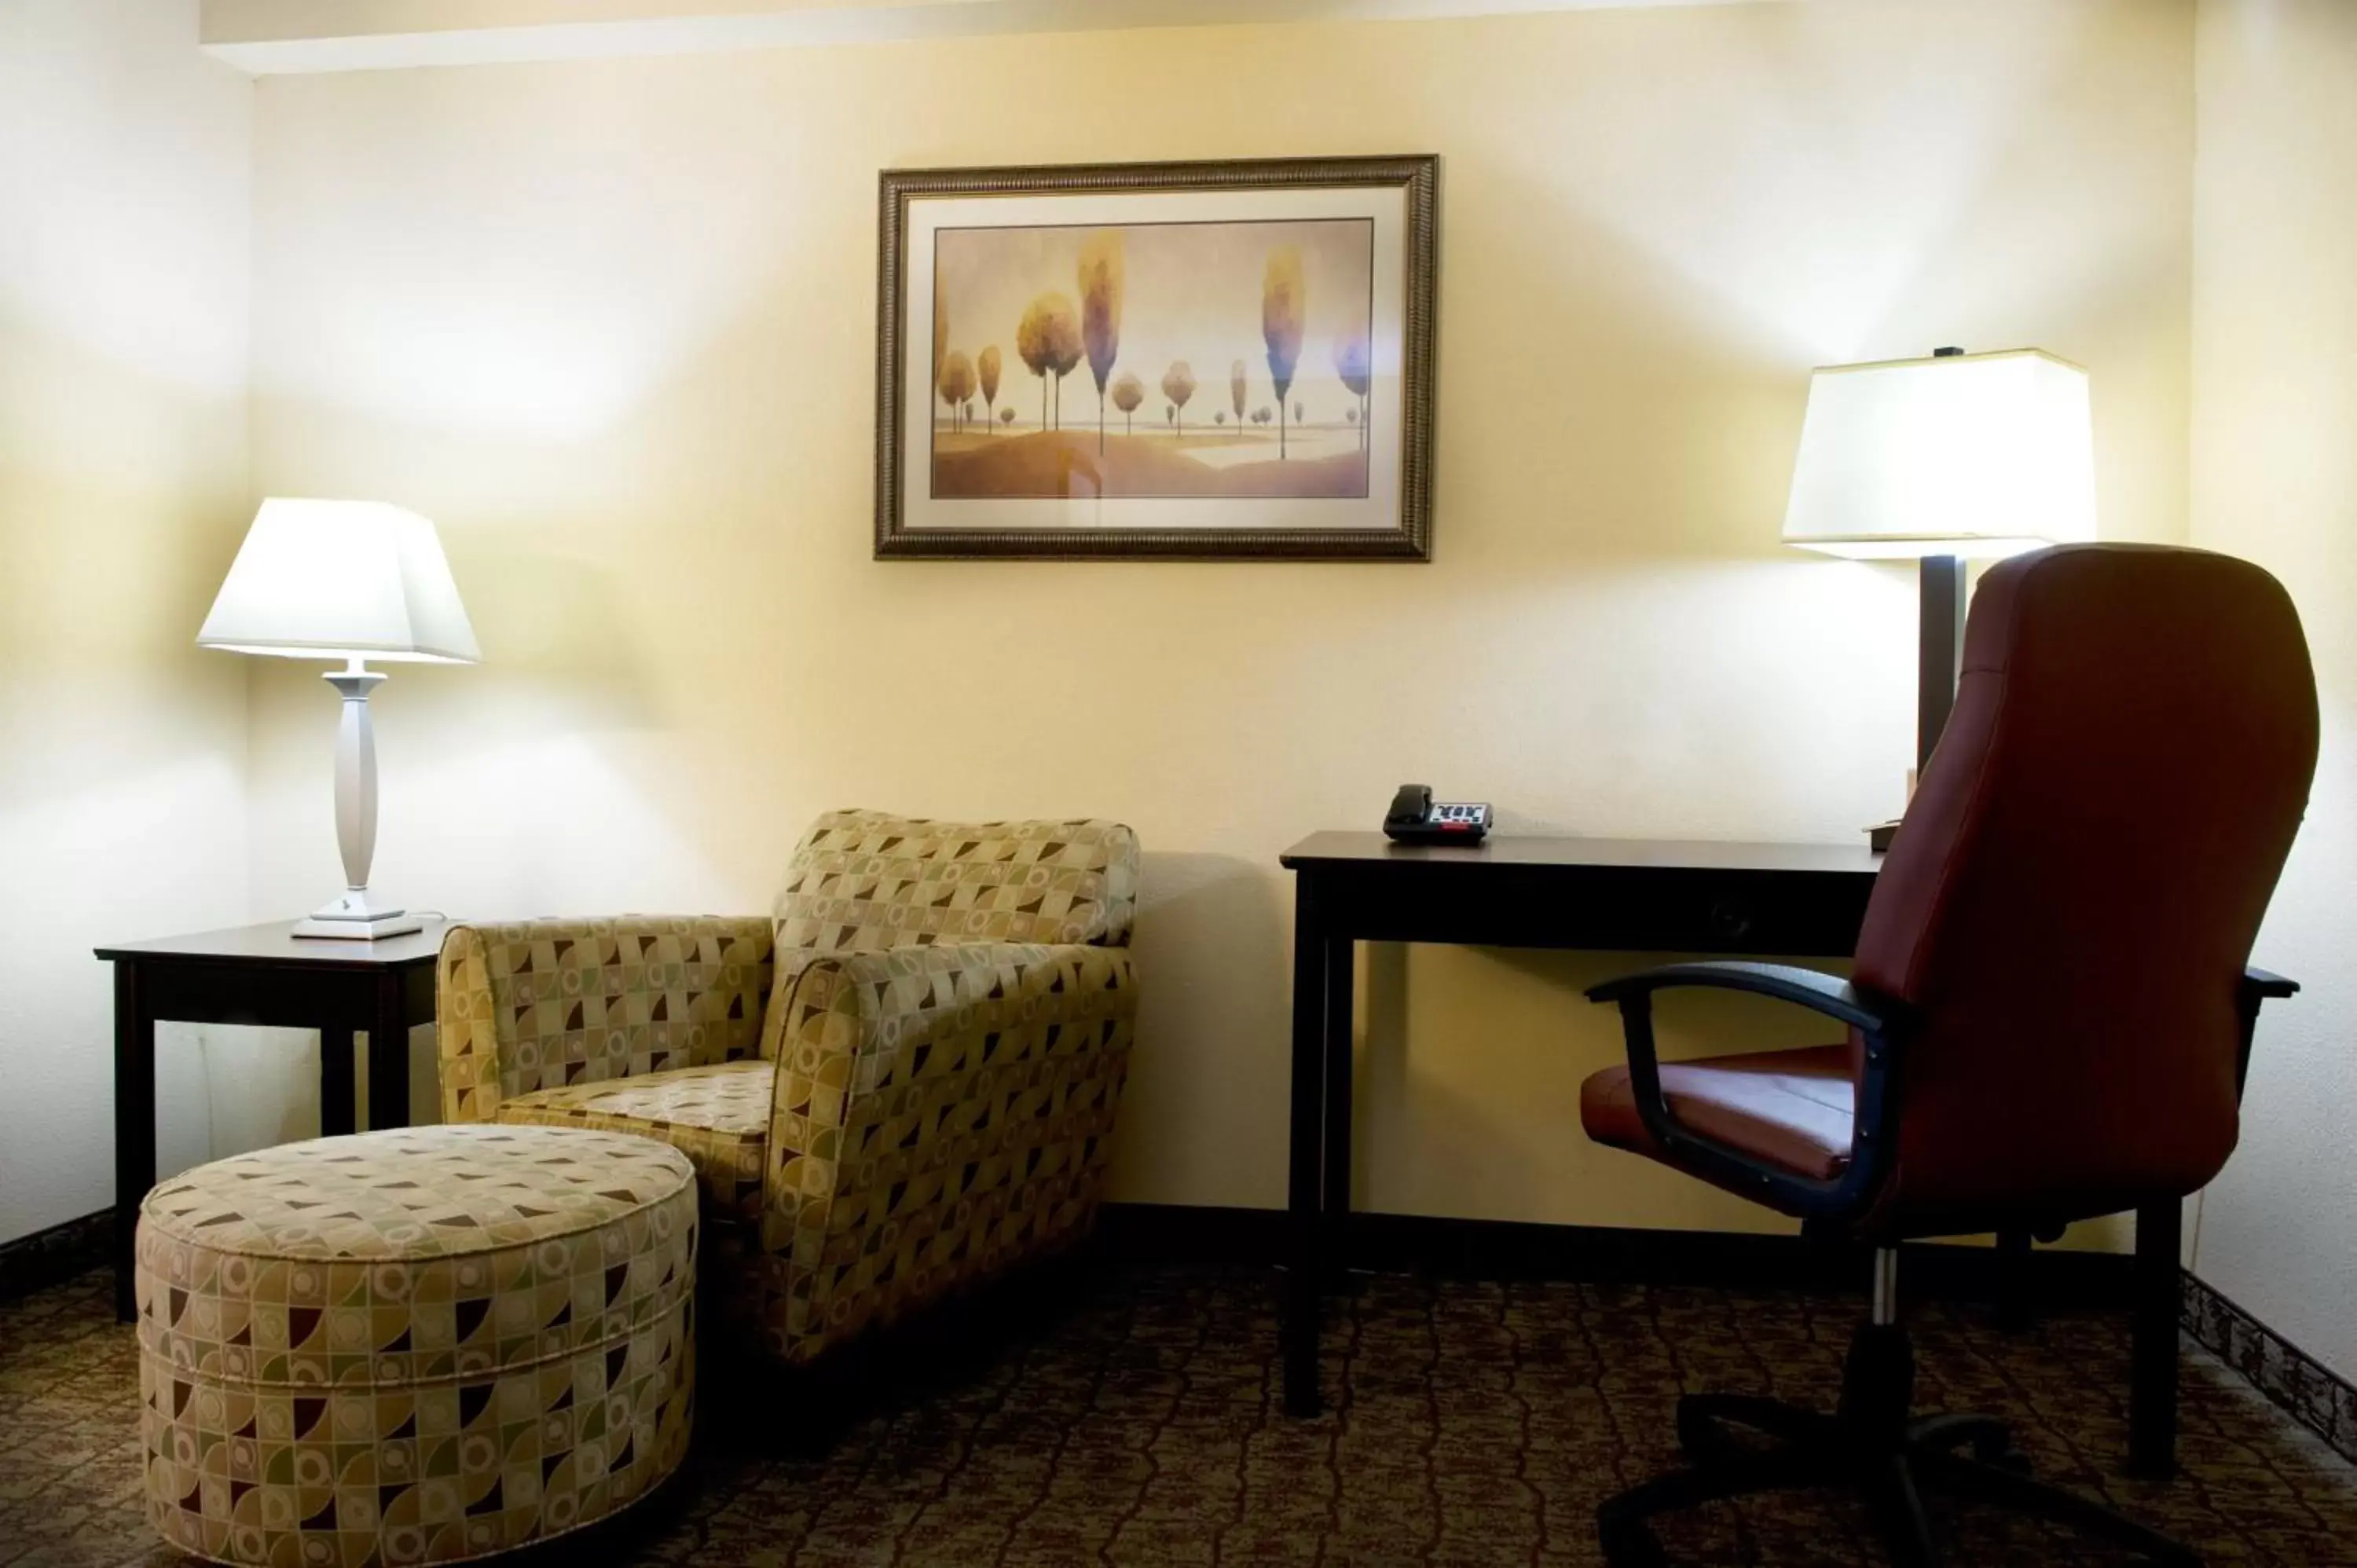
1186	359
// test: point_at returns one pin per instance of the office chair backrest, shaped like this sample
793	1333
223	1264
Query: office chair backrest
2073	897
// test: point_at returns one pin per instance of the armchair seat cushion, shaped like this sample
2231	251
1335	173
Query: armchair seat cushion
1792	1108
719	1116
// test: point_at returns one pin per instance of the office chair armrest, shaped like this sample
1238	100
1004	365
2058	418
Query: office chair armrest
1875	1020
1826	993
2257	986
2264	985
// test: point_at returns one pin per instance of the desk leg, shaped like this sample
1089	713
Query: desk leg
2152	1381
134	1124
1340	954
1306	1220
389	1056
336	1115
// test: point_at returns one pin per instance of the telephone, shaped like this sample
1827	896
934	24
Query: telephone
1417	818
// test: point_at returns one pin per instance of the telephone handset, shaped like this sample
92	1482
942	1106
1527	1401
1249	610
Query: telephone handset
1415	818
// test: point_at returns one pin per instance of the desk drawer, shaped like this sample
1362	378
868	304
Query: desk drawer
1623	908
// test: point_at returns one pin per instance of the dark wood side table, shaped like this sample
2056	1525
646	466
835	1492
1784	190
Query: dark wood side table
262	974
1618	895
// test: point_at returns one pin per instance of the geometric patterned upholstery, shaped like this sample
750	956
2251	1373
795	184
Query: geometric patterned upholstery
941	1113
417	1346
948	1022
717	1116
861	881
546	1003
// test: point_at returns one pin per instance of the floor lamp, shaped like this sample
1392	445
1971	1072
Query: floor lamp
1944	459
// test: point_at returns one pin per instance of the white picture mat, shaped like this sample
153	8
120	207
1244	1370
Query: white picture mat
1378	512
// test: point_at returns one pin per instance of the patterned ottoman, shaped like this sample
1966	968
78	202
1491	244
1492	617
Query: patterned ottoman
414	1346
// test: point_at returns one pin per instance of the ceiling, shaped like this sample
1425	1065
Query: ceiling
294	36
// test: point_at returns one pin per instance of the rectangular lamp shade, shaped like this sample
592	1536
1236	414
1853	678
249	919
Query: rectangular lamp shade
1969	454
340	580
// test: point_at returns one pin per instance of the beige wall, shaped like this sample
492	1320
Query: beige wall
2275	478
123	229
611	325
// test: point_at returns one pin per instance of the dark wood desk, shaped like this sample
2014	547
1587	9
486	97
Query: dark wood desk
262	974
1636	896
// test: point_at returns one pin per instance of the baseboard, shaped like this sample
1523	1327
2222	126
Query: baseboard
2310	1393
1489	1249
48	1257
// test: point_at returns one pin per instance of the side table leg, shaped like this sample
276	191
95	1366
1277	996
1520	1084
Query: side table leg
134	1124
1305	1221
389	1057
336	1114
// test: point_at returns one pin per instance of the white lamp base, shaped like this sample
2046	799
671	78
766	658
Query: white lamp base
359	917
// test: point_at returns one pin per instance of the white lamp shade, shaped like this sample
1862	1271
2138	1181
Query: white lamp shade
1973	454
343	580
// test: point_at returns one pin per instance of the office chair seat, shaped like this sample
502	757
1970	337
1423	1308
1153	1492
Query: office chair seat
1793	1109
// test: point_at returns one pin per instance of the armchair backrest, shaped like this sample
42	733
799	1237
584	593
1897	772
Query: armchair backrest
863	880
2072	898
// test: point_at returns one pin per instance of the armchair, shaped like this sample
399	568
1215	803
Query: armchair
900	1084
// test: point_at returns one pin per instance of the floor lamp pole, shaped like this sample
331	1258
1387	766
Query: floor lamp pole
1940	658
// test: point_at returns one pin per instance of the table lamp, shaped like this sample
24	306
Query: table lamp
351	581
1942	460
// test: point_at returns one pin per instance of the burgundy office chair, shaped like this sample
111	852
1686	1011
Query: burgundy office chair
2050	1014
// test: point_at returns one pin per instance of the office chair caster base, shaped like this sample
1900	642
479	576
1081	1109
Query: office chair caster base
1740	1446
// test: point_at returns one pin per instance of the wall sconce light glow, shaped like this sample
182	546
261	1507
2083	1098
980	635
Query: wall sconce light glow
1964	455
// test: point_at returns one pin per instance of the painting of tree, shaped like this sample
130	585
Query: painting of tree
1179	385
1007	416
941	327
985	366
1127	393
1350	362
1284	302
1048	340
1100	283
956	385
1117	298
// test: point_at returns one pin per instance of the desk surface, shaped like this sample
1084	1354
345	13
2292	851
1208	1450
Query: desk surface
277	945
1505	849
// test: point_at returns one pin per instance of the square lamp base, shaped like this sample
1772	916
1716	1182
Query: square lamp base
357	917
360	930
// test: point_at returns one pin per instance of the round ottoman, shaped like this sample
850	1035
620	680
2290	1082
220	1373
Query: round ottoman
413	1347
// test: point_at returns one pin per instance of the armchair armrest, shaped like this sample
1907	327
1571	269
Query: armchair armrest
517	1004
939	1111
1876	1019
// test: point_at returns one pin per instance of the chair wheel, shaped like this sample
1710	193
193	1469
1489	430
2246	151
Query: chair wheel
1627	1543
2004	1458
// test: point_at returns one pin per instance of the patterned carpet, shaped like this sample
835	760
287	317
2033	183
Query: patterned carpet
1135	1422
